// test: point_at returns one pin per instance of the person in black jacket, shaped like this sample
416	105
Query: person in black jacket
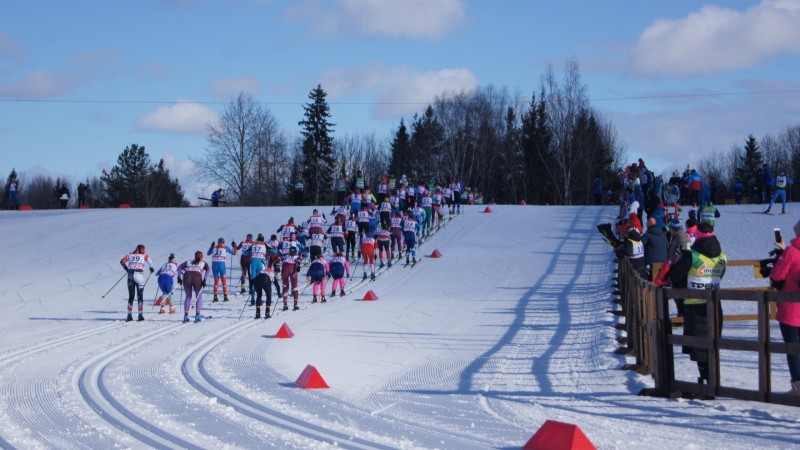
656	244
633	250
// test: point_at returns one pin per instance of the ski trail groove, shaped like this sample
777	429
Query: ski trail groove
93	389
195	372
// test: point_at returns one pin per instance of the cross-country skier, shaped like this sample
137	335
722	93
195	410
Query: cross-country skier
384	238
287	229
397	234
386	213
289	269
317	274
246	248
318	240
262	277
336	232
438	199
362	218
134	263
338	268
410	230
166	279
218	256
427	205
355	199
192	275
316	222
351	228
368	252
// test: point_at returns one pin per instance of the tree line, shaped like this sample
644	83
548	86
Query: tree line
543	149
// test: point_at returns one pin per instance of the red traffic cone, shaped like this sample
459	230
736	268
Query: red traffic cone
522	203
26	208
370	295
311	379
124	205
436	254
487	210
555	435
284	333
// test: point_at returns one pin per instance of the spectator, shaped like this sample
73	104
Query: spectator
63	196
598	191
632	249
780	191
298	189
702	268
13	197
738	192
655	244
217	196
786	275
82	191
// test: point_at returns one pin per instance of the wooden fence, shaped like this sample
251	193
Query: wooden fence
648	328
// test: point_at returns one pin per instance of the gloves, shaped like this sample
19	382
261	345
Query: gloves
152	270
233	243
124	267
776	252
203	284
180	281
212	244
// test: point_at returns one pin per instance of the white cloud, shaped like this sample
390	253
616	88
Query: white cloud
407	18
38	85
182	117
229	88
9	48
716	39
398	91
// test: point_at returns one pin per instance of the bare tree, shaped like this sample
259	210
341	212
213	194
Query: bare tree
235	144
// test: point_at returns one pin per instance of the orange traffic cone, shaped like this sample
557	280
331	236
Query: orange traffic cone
311	379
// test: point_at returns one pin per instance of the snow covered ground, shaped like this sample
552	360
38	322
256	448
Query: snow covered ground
476	349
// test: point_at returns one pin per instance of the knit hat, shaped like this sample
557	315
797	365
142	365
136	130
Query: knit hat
675	225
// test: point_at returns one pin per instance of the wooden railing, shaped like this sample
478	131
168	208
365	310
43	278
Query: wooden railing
648	327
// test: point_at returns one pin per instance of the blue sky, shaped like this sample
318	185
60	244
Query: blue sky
80	80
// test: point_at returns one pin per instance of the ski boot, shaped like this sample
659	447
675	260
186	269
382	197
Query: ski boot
198	318
252	301
365	276
140	318
389	264
285	306
767	211
414	260
380	266
224	297
341	293
258	313
333	293
161	311
323	300
295	308
172	310
407	260
267	314
216	299
243	290
372	276
314	299
129	318
186	318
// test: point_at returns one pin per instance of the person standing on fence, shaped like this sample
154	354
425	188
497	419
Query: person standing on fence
701	269
633	249
786	273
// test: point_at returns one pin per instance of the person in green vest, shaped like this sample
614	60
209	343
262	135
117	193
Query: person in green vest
341	191
358	181
702	269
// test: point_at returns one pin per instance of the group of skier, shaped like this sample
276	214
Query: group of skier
364	230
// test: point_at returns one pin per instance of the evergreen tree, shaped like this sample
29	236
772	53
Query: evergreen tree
751	163
400	151
138	183
536	138
427	138
317	147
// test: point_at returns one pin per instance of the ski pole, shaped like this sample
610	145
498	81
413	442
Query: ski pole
246	301
115	285
158	288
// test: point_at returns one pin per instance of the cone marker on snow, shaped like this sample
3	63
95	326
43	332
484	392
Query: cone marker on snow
26	208
487	210
522	203
559	435
370	295
311	379
285	332
436	254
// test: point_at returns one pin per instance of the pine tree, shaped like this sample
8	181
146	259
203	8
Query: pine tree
317	147
427	138
751	163
138	183
400	151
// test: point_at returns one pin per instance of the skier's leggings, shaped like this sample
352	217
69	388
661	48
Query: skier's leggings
262	283
193	284
351	243
338	282
337	244
397	240
135	288
290	280
245	264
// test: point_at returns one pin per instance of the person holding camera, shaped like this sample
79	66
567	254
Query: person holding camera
785	276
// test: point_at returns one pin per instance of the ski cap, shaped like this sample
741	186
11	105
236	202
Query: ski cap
198	255
249	235
675	225
171	257
140	248
220	241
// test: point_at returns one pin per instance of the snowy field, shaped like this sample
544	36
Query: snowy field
476	349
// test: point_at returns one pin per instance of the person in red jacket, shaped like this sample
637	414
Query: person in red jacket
786	273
